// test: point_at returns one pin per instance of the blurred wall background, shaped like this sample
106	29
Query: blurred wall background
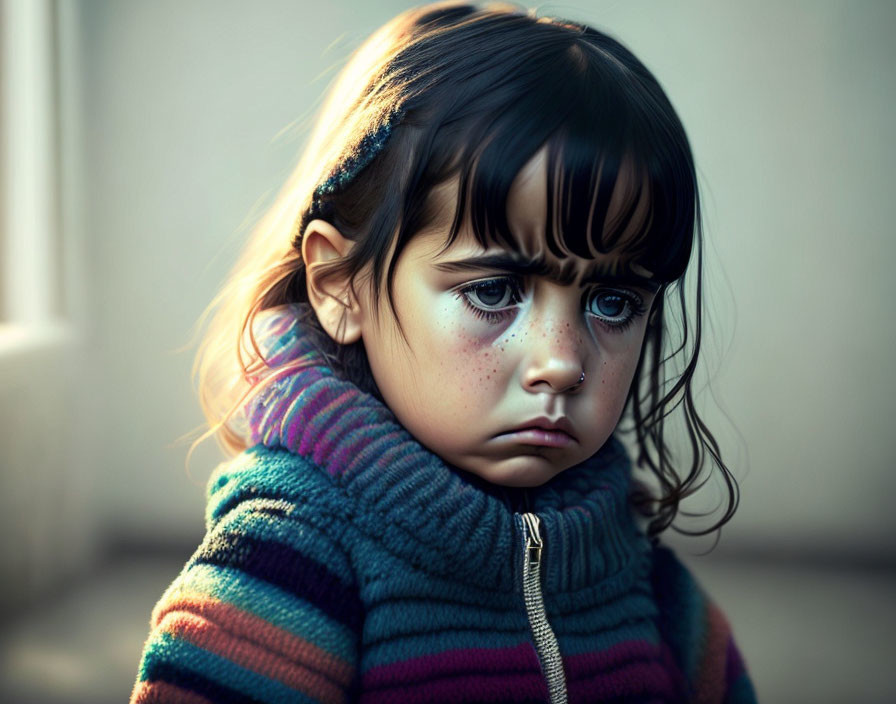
178	121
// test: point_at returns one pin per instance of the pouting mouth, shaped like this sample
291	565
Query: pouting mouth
557	425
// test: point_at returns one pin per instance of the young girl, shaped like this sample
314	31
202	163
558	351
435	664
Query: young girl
421	362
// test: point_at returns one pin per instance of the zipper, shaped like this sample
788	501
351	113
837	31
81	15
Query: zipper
545	641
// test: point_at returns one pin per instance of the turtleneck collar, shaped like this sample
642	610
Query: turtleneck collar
441	518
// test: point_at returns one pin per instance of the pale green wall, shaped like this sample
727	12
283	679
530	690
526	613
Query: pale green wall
789	108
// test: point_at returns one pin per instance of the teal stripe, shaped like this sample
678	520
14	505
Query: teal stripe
690	607
413	647
266	601
394	616
741	691
644	631
697	628
167	648
274	472
603	616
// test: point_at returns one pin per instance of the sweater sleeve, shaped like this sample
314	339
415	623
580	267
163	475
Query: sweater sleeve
699	636
266	610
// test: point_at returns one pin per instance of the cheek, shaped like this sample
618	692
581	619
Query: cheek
618	361
615	381
463	353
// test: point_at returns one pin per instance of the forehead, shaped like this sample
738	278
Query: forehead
528	220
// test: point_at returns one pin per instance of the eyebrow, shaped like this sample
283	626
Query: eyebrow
564	274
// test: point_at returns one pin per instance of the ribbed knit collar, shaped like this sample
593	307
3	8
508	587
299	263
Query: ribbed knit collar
439	517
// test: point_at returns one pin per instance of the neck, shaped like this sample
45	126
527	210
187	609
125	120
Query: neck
390	479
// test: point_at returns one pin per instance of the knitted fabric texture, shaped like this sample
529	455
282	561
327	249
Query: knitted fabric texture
345	562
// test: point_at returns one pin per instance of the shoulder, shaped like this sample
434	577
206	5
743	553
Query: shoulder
698	633
683	604
271	502
277	483
268	604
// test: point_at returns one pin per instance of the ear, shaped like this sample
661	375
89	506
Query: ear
332	298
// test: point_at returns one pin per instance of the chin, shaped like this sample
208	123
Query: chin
519	472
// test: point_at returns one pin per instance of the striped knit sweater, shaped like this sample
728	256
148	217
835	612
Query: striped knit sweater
345	562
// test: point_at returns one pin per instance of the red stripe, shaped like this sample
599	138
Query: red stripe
208	636
233	623
710	685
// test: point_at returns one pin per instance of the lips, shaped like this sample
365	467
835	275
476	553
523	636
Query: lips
543	432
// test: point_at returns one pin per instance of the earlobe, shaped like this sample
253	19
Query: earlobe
330	293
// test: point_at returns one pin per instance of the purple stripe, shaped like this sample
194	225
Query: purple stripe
734	663
332	431
636	679
511	688
357	442
517	660
370	449
635	667
301	427
587	664
292	425
675	672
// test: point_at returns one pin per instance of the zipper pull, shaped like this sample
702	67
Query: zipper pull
534	543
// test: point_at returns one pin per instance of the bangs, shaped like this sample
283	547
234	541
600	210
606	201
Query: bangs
620	176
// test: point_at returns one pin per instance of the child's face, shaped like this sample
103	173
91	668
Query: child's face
487	374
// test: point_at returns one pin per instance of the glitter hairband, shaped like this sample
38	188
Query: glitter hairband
360	157
346	171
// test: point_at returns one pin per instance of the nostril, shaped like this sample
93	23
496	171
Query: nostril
555	379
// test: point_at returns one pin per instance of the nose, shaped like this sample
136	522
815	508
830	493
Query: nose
555	362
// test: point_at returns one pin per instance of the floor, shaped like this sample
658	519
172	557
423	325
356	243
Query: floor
809	634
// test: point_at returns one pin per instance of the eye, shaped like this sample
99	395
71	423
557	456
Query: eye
616	309
492	298
492	294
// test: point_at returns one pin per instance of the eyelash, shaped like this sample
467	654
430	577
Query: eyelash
491	315
634	305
